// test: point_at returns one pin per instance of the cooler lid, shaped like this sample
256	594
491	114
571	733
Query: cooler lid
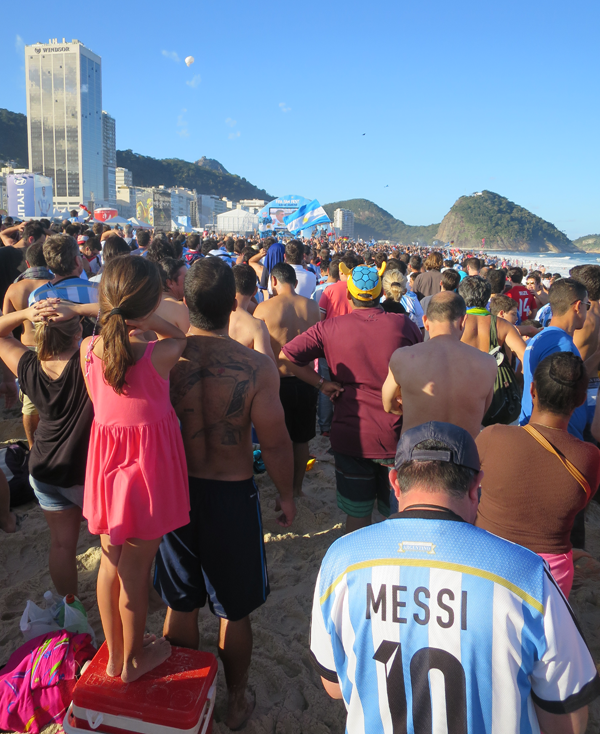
173	694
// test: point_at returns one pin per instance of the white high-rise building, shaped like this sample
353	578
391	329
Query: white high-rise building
64	119
124	177
343	221
109	158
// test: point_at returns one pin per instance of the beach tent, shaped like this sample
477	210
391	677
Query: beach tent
138	224
237	221
177	226
117	220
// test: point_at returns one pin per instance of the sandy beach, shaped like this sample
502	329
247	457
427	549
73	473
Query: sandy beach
289	695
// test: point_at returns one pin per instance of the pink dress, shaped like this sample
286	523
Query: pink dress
136	483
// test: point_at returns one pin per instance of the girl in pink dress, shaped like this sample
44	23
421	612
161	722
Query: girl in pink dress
136	487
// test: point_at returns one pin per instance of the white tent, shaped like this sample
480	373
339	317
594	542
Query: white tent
138	224
117	220
237	221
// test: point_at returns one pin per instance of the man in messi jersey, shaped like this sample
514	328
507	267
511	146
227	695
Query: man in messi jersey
424	623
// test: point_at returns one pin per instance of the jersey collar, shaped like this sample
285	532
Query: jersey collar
420	512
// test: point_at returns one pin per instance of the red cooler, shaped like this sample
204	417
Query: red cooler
178	697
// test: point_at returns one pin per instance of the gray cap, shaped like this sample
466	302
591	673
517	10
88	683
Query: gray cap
462	449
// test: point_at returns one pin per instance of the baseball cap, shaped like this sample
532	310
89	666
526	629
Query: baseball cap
461	450
82	239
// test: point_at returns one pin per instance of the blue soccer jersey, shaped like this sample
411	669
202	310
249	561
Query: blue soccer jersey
547	342
432	625
76	290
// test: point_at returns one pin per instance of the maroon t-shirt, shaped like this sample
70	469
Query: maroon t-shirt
358	347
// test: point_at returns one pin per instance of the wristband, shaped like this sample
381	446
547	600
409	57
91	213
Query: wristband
319	385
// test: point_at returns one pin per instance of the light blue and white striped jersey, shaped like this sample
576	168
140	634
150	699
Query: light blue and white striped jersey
413	308
432	625
73	289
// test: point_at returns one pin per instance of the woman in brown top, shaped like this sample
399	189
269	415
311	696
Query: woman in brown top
530	495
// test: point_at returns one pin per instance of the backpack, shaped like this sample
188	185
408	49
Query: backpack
506	403
14	462
191	257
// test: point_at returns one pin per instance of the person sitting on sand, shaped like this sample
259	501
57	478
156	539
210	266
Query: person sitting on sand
219	389
441	379
136	477
52	379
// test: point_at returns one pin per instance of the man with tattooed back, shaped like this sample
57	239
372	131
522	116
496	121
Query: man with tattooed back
219	389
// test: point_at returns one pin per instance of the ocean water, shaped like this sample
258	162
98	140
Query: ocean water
553	262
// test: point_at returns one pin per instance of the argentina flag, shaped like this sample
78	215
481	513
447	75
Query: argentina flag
307	216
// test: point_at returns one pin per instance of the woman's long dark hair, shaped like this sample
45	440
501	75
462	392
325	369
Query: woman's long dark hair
560	383
130	289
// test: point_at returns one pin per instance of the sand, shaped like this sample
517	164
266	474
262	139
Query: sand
289	695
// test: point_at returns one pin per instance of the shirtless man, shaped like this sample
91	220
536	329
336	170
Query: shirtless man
218	389
441	379
172	308
286	315
476	293
243	327
587	339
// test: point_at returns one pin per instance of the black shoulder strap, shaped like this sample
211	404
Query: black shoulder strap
493	333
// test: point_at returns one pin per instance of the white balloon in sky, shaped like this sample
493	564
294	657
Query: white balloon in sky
189	60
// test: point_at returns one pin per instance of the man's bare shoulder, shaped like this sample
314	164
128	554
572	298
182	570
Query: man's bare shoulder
28	285
206	358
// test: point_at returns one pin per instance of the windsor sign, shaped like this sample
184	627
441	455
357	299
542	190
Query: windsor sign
51	49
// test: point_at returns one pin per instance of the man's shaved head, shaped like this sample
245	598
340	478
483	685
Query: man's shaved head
445	307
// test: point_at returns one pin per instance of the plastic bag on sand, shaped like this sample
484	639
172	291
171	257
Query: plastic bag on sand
36	621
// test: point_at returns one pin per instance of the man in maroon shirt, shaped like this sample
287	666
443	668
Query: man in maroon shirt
357	347
527	305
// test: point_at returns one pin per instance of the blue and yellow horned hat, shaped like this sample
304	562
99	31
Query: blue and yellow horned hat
364	283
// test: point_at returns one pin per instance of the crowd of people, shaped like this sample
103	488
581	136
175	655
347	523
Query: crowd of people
458	397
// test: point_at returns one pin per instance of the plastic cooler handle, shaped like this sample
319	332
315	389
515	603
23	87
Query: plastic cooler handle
94	722
210	702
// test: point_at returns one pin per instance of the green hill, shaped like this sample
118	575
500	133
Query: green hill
504	225
588	243
13	138
175	172
373	222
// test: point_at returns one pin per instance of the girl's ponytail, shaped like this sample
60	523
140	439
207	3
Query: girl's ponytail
118	354
130	289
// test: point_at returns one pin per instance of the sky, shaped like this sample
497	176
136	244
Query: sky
408	104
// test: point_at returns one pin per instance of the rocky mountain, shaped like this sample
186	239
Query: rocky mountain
504	225
175	172
373	222
13	138
588	243
211	164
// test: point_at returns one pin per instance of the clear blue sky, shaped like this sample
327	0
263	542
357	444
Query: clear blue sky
454	97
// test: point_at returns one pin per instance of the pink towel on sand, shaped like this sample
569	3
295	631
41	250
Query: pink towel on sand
36	684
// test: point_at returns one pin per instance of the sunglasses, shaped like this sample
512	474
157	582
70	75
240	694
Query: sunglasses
587	304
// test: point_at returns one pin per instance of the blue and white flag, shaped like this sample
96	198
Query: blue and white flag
307	216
